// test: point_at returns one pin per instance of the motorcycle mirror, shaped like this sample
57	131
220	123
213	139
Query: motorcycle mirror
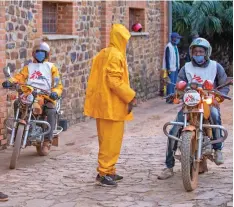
7	72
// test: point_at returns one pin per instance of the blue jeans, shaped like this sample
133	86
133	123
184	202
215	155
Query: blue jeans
172	144
173	77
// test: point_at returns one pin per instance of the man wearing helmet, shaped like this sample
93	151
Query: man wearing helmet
200	68
44	75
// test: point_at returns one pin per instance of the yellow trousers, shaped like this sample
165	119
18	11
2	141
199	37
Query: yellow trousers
110	136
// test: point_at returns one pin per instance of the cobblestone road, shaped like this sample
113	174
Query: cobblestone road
66	177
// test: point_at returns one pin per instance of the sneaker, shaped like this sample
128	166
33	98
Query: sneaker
105	181
218	157
116	177
3	197
166	173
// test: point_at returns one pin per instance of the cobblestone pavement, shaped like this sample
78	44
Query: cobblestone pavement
66	177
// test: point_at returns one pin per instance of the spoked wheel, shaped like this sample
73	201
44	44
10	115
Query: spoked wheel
17	146
190	168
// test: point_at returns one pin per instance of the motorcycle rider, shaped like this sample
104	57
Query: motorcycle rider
200	68
45	75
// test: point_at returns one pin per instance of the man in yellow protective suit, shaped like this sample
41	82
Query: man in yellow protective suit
109	99
44	75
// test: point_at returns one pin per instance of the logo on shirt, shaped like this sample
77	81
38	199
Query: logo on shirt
197	78
37	75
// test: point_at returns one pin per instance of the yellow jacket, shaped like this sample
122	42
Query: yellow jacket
108	92
23	76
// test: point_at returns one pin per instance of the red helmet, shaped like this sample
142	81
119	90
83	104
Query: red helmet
137	27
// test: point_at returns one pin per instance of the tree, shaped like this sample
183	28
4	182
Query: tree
213	20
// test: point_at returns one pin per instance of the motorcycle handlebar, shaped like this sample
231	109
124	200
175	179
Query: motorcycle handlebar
215	92
43	92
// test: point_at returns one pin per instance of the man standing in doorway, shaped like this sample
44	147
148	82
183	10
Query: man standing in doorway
109	99
171	61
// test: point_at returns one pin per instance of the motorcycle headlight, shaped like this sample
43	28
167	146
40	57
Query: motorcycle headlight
209	100
192	98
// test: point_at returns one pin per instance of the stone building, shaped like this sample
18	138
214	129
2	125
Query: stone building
76	31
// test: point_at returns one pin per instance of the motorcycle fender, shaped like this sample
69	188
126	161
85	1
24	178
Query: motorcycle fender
192	129
189	128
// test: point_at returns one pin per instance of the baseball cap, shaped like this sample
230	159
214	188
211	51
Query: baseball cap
175	35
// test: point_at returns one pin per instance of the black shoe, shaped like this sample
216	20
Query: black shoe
105	181
116	177
3	197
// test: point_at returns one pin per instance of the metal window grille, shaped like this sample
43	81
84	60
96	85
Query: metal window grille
49	18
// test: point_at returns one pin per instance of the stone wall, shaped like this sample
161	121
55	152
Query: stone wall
23	29
73	58
144	52
72	50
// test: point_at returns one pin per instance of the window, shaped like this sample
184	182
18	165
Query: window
49	18
137	16
57	17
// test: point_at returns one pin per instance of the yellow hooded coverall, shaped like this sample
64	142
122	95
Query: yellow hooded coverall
107	97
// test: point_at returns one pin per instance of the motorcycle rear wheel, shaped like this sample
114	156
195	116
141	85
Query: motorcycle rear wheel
189	167
17	146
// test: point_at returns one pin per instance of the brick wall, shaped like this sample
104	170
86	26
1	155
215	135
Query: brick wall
144	52
164	25
21	28
65	13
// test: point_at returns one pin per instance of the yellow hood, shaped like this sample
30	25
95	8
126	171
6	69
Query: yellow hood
119	37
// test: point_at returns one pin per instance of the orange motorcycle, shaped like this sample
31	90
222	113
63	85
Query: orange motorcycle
29	124
195	138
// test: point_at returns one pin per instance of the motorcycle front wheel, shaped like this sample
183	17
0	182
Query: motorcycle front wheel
189	167
17	146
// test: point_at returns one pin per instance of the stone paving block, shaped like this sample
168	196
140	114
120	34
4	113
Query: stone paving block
39	203
67	204
229	204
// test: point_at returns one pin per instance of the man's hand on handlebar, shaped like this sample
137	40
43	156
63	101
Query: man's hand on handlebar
54	96
7	84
